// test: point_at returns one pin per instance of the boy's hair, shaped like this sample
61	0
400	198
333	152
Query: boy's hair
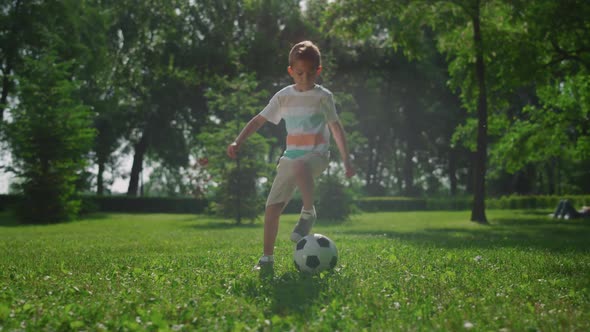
306	51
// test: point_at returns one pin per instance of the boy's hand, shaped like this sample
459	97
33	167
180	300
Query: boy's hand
232	150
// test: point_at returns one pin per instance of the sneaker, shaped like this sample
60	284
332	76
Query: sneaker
303	226
263	265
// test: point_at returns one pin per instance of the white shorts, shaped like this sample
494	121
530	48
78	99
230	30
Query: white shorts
284	183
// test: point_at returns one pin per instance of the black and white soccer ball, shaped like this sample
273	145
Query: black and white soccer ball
315	253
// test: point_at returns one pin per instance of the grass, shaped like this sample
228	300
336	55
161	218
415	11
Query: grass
410	271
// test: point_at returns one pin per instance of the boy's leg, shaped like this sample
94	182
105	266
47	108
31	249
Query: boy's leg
305	170
271	226
304	181
280	193
272	214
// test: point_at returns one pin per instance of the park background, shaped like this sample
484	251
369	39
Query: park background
459	99
455	111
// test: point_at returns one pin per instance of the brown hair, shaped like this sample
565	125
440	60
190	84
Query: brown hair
306	51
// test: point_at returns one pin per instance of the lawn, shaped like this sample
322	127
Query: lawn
410	271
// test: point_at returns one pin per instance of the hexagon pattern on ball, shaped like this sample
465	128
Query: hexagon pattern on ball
315	253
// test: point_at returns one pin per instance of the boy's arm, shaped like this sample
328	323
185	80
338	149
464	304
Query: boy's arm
251	127
340	138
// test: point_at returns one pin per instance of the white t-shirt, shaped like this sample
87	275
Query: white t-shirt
306	116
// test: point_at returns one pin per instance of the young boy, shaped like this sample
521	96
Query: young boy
308	110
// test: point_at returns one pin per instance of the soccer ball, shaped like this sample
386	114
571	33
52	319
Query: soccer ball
315	253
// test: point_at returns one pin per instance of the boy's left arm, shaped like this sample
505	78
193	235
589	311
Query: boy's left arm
340	138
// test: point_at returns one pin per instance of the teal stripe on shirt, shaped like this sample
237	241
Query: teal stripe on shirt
292	154
304	122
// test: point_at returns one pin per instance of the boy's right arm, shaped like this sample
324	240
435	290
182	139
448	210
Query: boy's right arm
251	127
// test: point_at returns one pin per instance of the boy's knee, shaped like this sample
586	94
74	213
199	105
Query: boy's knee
275	208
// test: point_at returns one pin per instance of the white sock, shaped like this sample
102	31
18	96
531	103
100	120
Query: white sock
306	214
267	258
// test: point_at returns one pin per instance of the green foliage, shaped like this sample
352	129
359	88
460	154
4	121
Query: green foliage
238	191
335	200
49	137
374	204
236	184
161	72
425	271
127	204
238	196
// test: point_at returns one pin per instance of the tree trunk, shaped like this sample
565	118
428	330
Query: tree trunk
478	210
370	162
5	89
11	53
551	177
140	149
100	177
453	171
397	167
408	171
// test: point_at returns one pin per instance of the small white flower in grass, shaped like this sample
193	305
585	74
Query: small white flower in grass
477	258
468	325
396	305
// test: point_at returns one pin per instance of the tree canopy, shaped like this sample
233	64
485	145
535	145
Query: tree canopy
440	97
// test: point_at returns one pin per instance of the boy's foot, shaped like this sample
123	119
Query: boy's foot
306	221
264	264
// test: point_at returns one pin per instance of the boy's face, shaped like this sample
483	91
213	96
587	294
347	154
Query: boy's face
304	74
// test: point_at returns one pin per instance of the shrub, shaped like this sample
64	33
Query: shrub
239	186
335	200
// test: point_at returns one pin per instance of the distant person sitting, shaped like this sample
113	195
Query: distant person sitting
565	210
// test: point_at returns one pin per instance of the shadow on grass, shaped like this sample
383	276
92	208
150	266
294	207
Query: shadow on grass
290	293
293	292
544	233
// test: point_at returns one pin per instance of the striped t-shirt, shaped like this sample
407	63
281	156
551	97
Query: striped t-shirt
306	116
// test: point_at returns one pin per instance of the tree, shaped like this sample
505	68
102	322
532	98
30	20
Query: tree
49	136
468	32
548	136
14	26
238	195
409	113
52	102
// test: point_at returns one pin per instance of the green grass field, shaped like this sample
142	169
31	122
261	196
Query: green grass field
411	271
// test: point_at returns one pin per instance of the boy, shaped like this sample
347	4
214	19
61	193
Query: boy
308	110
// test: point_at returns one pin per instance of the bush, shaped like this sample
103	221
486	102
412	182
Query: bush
371	204
130	204
228	193
335	201
8	201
